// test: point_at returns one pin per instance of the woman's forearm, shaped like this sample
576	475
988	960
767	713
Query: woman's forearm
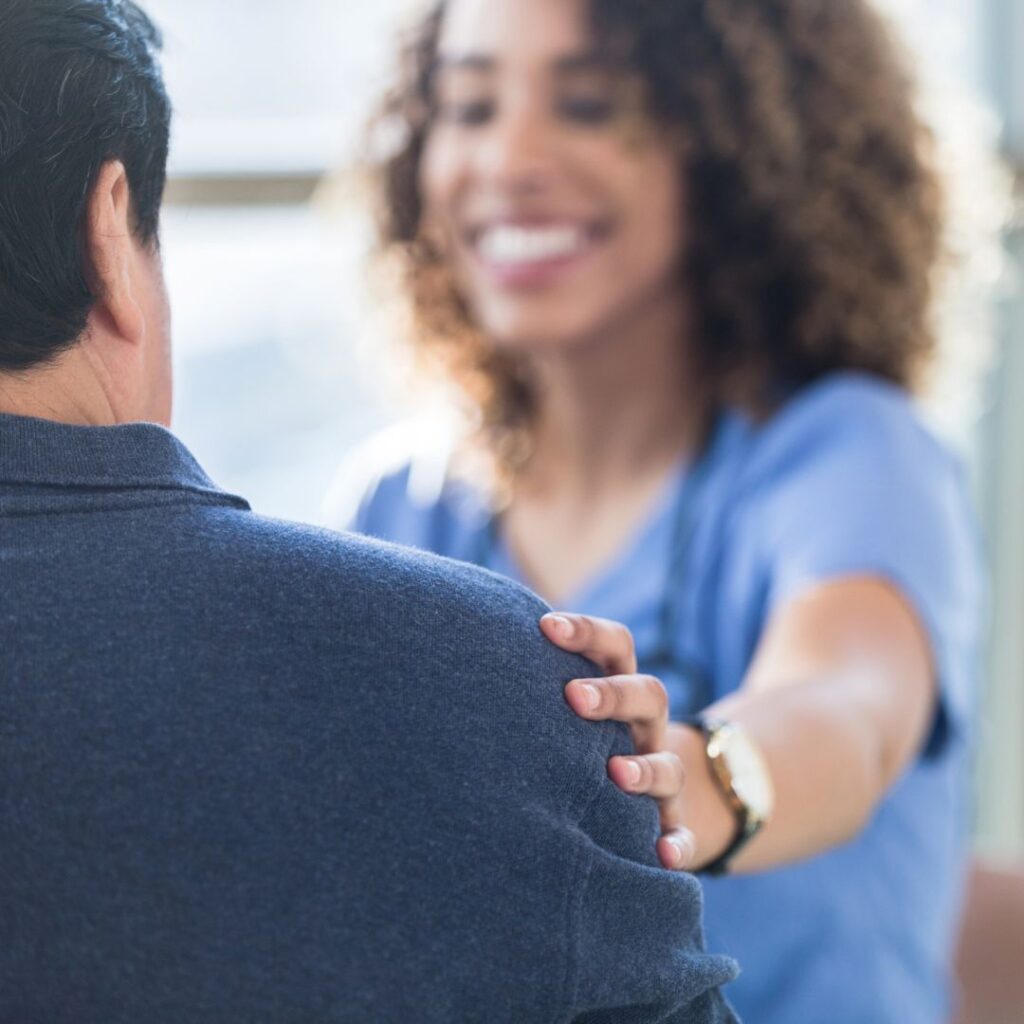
838	700
826	769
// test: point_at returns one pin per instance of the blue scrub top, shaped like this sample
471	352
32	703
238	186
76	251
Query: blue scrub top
845	479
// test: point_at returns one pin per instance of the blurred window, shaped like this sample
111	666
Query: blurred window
268	97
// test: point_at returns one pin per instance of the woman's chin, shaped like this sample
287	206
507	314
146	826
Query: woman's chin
540	338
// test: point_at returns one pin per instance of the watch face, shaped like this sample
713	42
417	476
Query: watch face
750	779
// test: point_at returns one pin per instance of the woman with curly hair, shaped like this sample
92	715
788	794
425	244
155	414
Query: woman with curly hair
679	256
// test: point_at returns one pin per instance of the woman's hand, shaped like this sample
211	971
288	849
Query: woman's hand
641	703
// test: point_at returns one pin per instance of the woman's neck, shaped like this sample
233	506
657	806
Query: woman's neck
626	405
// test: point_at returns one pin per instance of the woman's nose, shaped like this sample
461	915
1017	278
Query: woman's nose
520	151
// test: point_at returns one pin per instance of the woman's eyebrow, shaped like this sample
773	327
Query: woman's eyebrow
464	62
571	63
590	60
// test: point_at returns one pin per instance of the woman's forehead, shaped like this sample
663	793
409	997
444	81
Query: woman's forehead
486	32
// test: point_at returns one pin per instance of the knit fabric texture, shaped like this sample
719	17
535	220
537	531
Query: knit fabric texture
255	771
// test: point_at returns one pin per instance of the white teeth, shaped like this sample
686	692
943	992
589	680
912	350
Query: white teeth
507	244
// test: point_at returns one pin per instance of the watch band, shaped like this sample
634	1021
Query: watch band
748	824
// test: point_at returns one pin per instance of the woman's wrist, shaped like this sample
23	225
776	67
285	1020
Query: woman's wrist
709	815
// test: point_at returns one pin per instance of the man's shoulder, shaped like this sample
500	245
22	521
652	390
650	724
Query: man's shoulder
342	588
438	631
318	563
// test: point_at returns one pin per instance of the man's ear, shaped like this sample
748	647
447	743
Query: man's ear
112	252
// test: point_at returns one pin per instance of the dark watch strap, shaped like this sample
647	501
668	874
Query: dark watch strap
746	827
747	830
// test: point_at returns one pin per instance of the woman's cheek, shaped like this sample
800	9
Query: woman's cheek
431	180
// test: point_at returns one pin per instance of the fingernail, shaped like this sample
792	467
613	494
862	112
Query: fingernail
591	696
632	773
563	626
682	852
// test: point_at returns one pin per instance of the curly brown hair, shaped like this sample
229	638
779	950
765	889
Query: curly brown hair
814	212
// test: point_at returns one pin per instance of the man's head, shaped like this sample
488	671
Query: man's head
84	128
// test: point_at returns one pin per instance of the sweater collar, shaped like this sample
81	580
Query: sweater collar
130	456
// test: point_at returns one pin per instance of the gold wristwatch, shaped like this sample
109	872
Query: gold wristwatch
742	775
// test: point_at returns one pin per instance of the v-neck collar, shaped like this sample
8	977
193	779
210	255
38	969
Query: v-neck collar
648	531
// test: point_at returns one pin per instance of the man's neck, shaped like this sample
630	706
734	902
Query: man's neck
67	390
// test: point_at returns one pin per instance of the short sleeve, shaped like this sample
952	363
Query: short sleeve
638	931
348	502
848	481
403	465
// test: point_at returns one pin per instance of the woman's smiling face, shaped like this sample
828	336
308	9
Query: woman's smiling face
557	201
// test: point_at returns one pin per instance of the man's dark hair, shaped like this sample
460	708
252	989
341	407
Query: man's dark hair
79	86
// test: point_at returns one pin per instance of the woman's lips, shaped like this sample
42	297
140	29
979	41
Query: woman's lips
525	255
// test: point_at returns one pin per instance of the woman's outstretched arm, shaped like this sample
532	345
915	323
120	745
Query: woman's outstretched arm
839	697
